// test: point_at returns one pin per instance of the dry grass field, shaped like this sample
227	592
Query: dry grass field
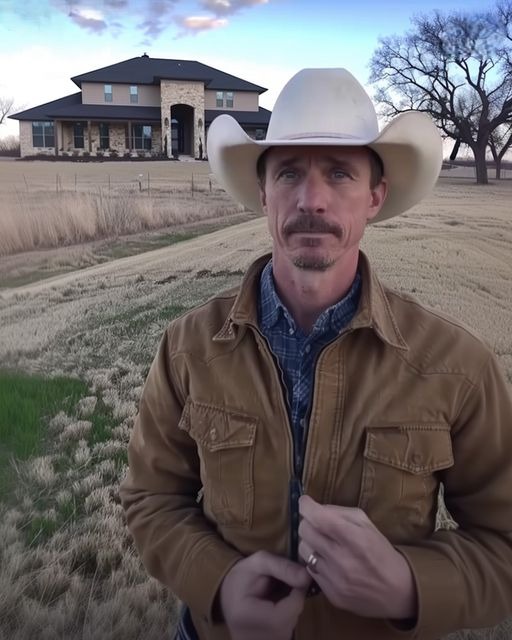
67	566
54	204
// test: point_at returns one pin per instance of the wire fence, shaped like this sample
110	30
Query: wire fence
143	182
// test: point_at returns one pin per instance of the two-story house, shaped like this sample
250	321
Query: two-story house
142	106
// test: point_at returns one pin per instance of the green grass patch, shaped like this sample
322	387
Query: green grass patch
25	402
133	247
102	423
29	277
132	322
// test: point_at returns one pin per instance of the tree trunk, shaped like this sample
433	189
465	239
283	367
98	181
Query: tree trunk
480	164
498	169
455	150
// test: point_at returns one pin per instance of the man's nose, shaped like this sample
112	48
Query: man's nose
313	194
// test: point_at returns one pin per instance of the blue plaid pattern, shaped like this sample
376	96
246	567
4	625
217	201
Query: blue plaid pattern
185	629
296	351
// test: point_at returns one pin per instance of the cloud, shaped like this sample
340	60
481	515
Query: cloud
91	19
158	15
229	7
116	4
195	24
151	17
220	9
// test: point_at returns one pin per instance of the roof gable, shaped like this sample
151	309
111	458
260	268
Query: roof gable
42	111
146	70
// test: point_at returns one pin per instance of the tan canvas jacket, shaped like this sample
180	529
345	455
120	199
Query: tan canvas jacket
404	398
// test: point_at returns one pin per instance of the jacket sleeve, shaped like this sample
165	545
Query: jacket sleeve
177	544
464	576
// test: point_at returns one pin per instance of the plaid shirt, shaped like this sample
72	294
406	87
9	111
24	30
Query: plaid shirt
296	353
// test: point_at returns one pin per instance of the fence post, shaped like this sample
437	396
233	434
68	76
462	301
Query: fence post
192	185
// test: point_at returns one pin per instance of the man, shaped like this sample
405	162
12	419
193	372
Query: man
293	434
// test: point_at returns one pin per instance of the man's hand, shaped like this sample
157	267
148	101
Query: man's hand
358	569
262	597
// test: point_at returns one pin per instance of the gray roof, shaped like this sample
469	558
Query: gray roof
44	111
146	70
246	118
71	108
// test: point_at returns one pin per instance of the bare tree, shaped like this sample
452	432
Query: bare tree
500	142
455	67
10	146
6	107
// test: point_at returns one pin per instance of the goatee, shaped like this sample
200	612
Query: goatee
313	263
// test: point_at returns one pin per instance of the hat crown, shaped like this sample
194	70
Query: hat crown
323	103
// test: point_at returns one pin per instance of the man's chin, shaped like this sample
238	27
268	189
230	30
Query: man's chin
313	263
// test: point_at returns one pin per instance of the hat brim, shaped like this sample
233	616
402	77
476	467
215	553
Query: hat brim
410	148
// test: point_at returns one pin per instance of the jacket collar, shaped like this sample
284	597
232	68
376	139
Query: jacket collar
373	312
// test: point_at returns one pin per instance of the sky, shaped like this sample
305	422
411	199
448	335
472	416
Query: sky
44	43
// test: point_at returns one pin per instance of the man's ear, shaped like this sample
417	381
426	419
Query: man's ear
378	196
263	197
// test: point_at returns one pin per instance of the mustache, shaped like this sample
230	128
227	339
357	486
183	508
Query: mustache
311	224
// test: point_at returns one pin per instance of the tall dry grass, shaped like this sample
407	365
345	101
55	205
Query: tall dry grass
43	219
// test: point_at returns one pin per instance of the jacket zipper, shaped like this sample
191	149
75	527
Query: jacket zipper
296	488
295	484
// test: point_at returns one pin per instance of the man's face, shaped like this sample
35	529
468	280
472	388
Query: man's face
318	201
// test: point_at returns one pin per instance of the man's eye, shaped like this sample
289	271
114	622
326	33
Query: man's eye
288	174
339	174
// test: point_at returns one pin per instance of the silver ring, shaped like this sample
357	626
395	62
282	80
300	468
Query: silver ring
312	562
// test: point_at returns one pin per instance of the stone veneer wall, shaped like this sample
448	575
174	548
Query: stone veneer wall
117	137
64	132
182	92
26	148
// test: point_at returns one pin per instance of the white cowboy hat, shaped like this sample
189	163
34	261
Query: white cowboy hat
330	107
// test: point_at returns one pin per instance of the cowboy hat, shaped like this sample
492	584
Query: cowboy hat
329	107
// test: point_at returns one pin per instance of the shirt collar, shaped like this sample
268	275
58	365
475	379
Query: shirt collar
374	310
333	318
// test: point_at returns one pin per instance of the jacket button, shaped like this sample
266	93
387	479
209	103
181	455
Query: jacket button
213	434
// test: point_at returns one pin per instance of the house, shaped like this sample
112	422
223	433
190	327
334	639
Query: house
142	106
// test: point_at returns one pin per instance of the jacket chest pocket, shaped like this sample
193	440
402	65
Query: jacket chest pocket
225	444
400	484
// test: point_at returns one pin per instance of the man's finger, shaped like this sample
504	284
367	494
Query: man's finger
332	520
290	607
291	573
315	541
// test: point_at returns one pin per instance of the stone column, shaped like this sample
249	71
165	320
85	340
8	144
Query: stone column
182	92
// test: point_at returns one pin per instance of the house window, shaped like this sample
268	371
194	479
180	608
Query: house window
259	134
229	99
141	137
107	92
104	135
43	134
78	135
220	99
134	94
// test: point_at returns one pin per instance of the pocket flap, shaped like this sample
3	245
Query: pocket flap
217	428
415	448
